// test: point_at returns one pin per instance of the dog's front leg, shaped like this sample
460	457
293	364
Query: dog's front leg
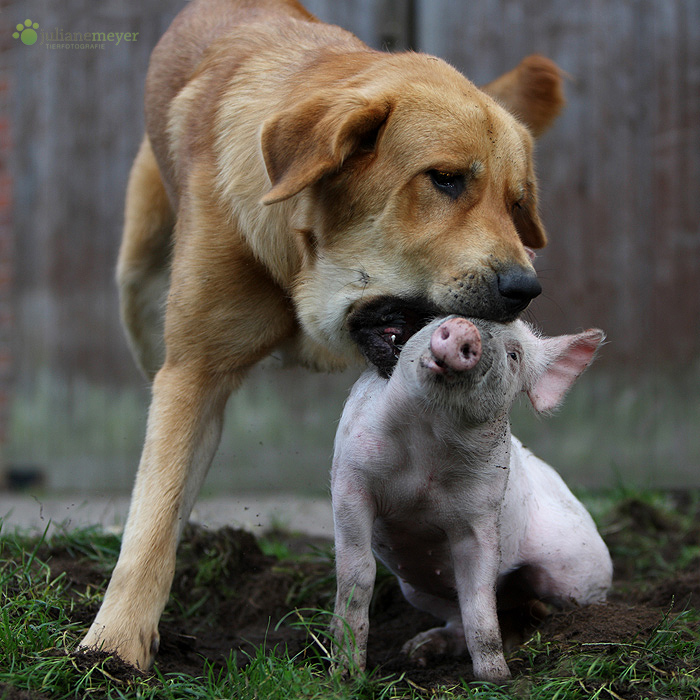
184	427
355	571
476	557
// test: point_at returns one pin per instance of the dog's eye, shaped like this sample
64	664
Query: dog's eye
451	184
519	210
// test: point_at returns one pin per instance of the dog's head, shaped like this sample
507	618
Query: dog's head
418	197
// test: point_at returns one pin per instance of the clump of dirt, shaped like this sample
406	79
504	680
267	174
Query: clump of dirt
678	592
647	539
109	664
237	598
602	623
8	692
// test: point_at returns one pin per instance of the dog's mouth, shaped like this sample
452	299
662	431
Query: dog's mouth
381	328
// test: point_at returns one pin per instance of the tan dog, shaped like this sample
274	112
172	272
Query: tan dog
299	190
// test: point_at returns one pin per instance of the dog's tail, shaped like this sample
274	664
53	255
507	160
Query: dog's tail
143	268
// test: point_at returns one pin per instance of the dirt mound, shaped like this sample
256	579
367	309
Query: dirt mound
676	592
603	623
229	595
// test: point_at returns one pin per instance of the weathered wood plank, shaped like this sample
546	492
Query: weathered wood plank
383	24
620	178
619	171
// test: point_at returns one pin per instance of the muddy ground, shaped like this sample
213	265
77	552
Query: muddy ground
238	599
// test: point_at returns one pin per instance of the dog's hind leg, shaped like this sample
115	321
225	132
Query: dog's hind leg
143	268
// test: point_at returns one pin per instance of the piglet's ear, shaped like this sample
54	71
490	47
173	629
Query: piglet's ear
565	359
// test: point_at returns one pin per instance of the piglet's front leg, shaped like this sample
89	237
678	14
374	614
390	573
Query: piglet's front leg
476	561
355	572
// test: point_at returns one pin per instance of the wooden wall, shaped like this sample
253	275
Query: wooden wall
77	122
619	172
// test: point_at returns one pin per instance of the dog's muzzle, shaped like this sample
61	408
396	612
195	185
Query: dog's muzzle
381	326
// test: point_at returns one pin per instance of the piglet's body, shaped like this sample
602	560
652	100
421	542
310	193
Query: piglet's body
427	475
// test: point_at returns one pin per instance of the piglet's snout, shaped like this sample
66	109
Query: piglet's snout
456	345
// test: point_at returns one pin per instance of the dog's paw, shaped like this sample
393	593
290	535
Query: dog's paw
137	646
435	642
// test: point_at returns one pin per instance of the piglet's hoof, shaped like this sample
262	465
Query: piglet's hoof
435	642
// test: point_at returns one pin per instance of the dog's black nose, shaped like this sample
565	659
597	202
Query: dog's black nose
518	287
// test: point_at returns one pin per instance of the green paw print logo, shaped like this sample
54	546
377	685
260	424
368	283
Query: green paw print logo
27	32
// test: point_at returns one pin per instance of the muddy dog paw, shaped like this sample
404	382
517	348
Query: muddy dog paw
133	641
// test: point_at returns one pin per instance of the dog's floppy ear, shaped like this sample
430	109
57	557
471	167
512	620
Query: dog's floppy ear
314	138
532	92
527	220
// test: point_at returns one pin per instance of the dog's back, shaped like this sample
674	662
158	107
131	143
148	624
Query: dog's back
180	56
188	42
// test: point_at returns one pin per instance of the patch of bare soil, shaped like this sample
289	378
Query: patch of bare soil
237	599
7	692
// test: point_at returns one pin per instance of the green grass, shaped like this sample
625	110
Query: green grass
663	666
40	624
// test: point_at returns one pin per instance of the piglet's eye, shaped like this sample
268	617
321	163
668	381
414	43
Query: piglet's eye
514	356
